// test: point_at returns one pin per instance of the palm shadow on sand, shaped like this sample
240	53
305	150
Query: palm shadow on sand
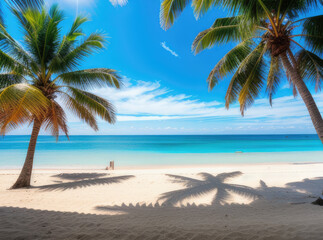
79	176
209	182
85	182
286	194
312	186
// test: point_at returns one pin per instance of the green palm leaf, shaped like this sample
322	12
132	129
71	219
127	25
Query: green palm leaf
229	63
74	56
7	79
274	77
223	30
67	44
24	4
312	33
91	78
310	67
170	9
80	111
94	103
12	48
248	80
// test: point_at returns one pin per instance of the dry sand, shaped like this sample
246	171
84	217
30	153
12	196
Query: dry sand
264	201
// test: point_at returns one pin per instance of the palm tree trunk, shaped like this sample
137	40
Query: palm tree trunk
25	174
305	94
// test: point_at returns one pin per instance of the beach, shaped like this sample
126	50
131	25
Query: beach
219	201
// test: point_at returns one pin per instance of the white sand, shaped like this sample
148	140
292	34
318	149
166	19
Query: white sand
83	204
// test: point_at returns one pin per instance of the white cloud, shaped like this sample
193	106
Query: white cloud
163	44
84	3
149	101
70	3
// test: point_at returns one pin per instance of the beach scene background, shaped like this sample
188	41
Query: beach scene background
186	164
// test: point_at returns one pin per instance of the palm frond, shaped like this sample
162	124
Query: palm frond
19	102
67	43
94	103
274	77
170	10
12	49
223	30
76	30
55	119
293	8
91	78
80	111
21	5
7	125
25	4
202	6
74	56
312	31
310	67
7	79
8	63
253	82
229	63
248	80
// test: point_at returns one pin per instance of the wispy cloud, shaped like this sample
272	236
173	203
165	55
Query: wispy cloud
163	44
119	2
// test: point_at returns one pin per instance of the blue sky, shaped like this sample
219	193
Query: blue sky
165	90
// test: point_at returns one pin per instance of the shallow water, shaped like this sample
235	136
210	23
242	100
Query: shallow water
81	151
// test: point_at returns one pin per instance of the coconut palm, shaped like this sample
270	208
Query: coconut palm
41	78
270	40
196	187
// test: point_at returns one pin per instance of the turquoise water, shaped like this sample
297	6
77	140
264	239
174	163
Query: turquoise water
161	150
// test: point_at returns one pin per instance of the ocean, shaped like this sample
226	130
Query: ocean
97	151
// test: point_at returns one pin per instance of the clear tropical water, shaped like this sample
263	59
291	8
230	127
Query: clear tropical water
82	151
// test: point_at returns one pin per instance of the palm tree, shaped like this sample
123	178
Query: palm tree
43	70
196	187
269	40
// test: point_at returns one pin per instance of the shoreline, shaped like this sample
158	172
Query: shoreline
128	160
157	167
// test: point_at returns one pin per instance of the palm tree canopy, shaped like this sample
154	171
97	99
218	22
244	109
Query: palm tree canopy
46	68
263	30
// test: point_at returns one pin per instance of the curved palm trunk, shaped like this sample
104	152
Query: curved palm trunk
305	94
25	174
307	98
